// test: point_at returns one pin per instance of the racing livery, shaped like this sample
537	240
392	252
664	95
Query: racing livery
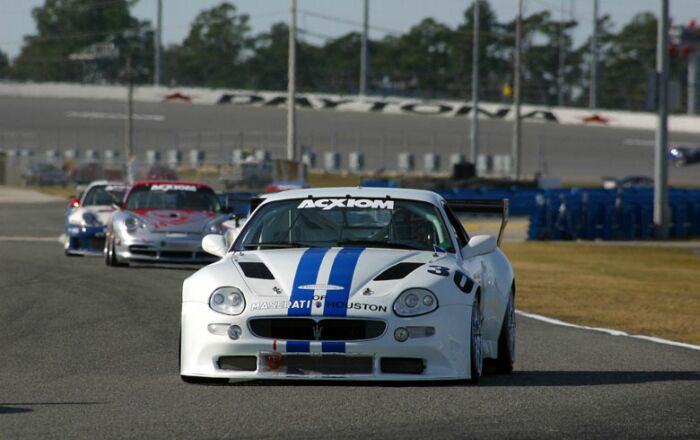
350	283
164	221
88	216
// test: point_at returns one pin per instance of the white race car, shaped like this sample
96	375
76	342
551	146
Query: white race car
87	217
350	283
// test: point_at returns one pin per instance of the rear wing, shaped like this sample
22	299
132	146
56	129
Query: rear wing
483	207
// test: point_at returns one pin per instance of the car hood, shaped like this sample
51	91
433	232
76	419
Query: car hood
103	213
341	272
173	220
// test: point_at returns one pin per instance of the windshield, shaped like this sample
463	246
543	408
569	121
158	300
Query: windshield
105	195
173	196
401	224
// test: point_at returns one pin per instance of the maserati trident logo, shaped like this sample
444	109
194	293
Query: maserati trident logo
317	328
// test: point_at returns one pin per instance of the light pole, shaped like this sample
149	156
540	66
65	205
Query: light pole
474	151
593	91
661	217
157	43
363	50
291	84
517	135
129	125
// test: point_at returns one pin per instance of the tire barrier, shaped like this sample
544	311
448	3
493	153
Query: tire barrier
611	214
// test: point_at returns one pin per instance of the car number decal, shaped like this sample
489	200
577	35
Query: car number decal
439	270
463	282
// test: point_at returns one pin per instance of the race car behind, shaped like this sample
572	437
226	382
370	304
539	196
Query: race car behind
87	217
164	222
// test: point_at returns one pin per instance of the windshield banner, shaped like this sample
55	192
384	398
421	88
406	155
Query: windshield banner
327	204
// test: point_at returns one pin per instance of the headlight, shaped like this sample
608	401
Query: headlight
214	228
414	302
90	219
227	300
133	223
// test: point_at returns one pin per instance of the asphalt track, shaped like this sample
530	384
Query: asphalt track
91	352
579	152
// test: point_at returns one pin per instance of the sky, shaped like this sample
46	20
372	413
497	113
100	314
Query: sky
385	15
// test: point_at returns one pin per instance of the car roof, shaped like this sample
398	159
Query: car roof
169	182
106	182
356	192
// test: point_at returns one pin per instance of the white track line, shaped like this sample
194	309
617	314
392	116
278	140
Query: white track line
34	239
118	116
606	330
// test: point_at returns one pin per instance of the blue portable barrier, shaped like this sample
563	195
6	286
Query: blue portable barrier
625	214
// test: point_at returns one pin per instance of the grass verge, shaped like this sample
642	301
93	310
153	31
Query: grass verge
646	290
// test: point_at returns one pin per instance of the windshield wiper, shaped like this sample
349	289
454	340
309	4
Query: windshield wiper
276	244
379	244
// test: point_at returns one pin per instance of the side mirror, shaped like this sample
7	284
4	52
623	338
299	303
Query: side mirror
479	245
214	244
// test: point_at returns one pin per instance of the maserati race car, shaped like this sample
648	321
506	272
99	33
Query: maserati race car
350	283
164	222
87	217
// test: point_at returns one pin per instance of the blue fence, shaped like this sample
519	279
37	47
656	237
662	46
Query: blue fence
590	214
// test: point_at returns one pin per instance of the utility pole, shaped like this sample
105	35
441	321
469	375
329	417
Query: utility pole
363	51
291	84
517	135
693	82
593	91
562	58
157	62
129	126
474	151
661	211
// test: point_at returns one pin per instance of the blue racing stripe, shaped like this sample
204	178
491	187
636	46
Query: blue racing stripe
298	346
333	347
342	271
307	272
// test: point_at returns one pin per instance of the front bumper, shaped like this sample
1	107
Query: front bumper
445	354
163	248
84	240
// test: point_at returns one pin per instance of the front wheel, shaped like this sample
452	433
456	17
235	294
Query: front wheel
111	258
476	358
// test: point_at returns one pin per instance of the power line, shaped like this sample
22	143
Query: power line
356	24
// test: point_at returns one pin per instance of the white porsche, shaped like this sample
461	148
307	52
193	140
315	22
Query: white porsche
353	284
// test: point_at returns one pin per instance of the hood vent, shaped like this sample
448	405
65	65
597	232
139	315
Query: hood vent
398	271
256	270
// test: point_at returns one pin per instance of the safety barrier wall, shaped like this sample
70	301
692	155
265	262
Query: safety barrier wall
594	214
611	215
388	105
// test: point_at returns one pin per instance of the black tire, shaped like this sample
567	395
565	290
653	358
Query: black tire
111	258
195	379
506	340
476	358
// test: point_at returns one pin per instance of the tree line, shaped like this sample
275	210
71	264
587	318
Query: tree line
430	60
